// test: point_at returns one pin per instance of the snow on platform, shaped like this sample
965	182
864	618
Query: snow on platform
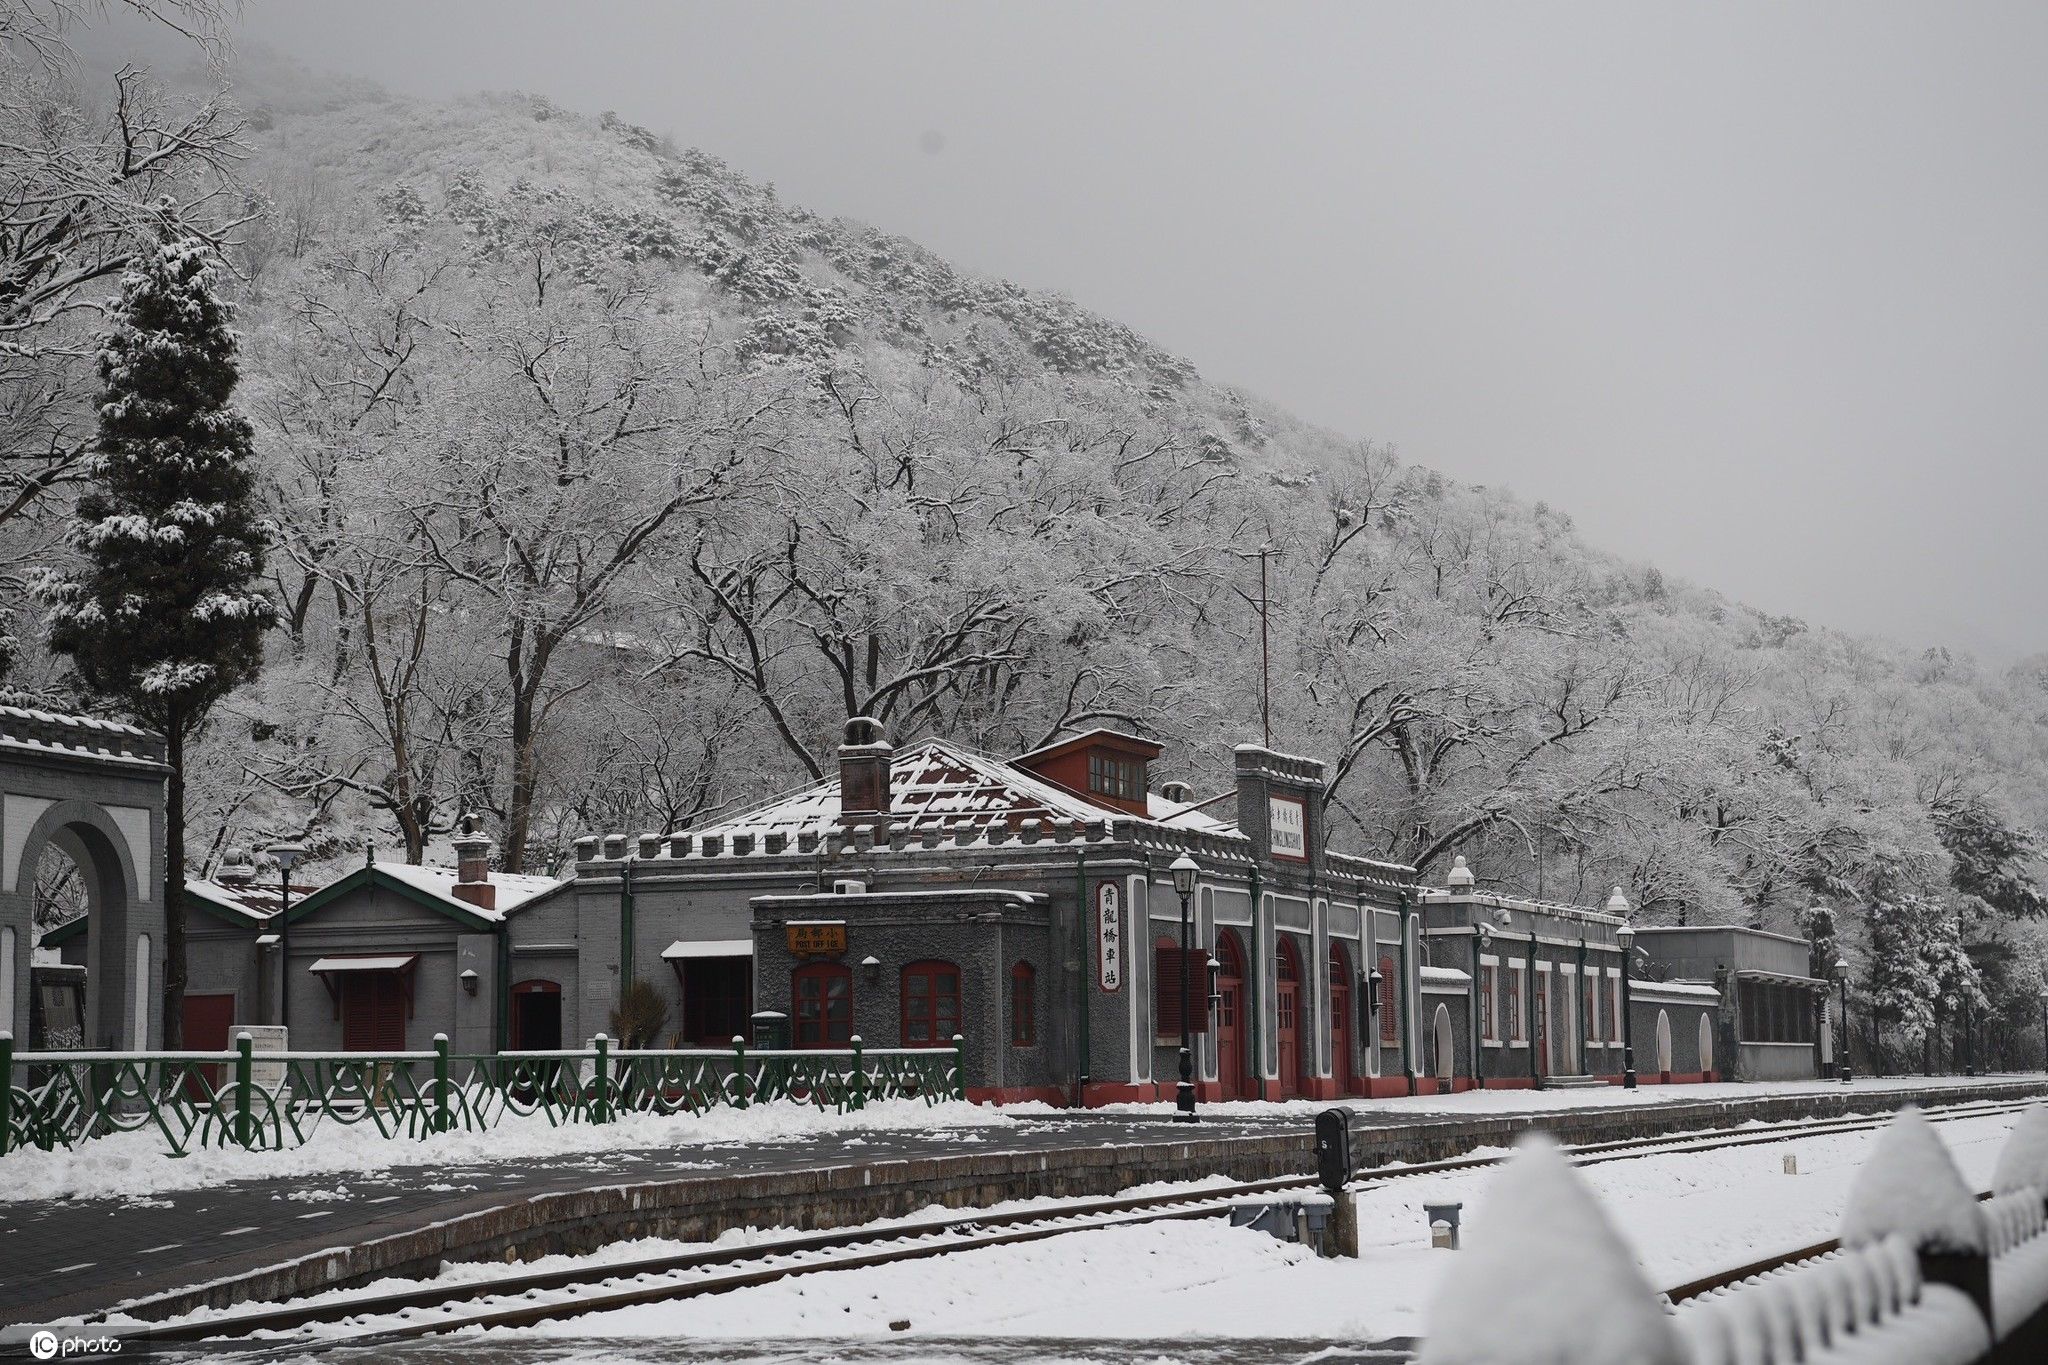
1686	1216
128	1165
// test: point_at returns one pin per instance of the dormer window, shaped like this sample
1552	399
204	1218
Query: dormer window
1120	779
1106	767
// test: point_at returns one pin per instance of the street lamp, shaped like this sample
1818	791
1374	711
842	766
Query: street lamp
1625	935
286	854
1842	985
1185	870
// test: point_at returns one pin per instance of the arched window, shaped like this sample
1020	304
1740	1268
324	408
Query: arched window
1390	1002
931	1004
1706	1042
1023	1005
822	993
1664	1040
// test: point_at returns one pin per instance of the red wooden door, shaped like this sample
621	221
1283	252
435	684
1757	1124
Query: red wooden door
1341	1018
372	1012
1340	1037
1231	1080
209	1019
1288	1030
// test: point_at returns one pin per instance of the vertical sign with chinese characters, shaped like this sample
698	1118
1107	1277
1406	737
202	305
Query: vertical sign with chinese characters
1287	827
1109	938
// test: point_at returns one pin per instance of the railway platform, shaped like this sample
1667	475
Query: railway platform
275	1238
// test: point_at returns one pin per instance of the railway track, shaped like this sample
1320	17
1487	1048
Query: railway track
370	1319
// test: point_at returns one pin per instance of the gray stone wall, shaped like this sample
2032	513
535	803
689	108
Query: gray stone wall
378	920
106	811
981	933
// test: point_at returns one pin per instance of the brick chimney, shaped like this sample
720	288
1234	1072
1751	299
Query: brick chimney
864	774
473	867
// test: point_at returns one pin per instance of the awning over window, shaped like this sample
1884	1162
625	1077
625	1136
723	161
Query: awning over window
708	947
392	963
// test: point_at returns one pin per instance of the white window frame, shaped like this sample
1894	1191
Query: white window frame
1518	1035
1590	1020
1490	987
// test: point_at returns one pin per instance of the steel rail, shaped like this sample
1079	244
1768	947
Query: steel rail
1723	1279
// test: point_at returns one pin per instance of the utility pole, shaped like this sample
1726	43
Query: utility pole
1265	653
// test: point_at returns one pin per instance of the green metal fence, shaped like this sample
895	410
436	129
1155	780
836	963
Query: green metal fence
268	1100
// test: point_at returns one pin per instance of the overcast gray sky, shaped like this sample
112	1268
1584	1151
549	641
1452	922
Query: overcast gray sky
1758	292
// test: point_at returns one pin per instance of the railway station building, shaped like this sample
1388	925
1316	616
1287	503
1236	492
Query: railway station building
1027	905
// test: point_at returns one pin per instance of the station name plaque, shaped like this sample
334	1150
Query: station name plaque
815	937
1109	938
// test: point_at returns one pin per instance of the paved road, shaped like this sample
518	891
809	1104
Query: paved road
69	1256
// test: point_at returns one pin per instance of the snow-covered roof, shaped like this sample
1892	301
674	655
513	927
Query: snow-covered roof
1673	990
1526	904
1445	976
933	784
1099	735
1186	814
942	790
29	729
387	962
250	902
709	947
515	890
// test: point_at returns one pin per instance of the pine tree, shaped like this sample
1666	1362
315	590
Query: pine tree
163	615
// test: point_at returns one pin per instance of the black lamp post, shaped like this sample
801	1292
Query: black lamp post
1842	986
1626	937
1185	870
286	854
1482	941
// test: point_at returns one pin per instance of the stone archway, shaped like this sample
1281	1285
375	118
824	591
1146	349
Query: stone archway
94	790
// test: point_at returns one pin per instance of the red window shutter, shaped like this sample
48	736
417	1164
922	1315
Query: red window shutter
1390	1002
1166	989
372	1012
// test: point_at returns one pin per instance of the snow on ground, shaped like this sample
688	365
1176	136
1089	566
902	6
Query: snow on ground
1685	1215
1472	1102
471	1272
125	1165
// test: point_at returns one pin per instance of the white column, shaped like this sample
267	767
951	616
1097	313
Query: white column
138	1027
